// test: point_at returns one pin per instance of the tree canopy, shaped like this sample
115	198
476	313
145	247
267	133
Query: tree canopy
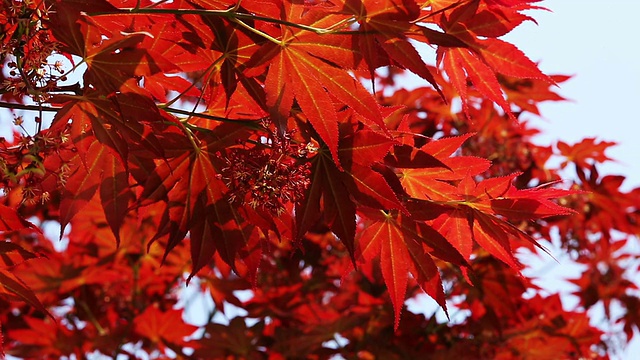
275	156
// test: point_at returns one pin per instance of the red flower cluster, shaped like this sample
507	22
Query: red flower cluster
268	175
26	46
22	164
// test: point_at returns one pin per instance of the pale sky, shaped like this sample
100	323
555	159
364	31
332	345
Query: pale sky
597	41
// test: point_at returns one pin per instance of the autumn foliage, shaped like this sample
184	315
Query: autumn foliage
274	156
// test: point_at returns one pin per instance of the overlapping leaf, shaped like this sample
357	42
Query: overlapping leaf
483	55
460	63
11	286
339	210
584	152
10	220
399	248
383	40
165	327
304	67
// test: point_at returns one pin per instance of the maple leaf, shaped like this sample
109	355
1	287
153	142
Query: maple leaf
533	334
222	230
339	210
482	59
604	206
486	204
424	173
14	288
197	201
10	220
71	29
364	147
44	337
527	93
304	68
12	254
370	188
108	133
332	188
584	152
400	252
112	54
497	196
163	328
493	23
222	289
222	341
456	227
181	181
388	25
462	63
100	171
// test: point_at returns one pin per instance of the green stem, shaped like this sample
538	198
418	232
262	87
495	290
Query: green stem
205	83
207	71
258	32
75	66
253	124
92	318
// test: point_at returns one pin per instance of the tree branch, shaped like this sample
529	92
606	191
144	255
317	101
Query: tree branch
13	106
252	123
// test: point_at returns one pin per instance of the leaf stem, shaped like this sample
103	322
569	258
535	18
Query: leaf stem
254	124
92	318
256	31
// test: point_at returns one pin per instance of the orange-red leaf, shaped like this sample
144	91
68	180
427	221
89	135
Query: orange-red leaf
12	254
371	189
364	147
455	226
327	188
400	252
586	151
115	193
163	327
507	59
461	63
83	183
10	220
14	287
488	233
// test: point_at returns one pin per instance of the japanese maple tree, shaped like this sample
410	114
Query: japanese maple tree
269	154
